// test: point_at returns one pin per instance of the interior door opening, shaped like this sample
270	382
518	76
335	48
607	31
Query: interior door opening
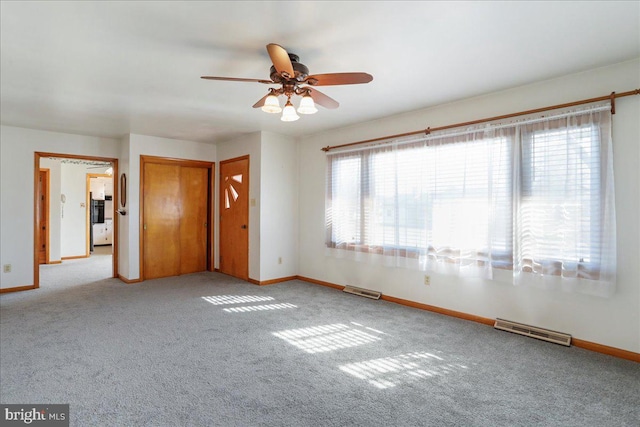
81	247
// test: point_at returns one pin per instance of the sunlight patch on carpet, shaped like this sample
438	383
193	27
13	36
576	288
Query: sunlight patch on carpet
369	329
318	339
235	299
392	371
246	308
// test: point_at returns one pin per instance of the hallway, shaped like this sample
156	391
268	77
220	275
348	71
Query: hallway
78	271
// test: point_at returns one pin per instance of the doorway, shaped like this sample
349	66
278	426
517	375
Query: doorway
101	210
234	217
70	205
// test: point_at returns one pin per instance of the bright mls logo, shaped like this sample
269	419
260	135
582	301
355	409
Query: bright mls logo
35	415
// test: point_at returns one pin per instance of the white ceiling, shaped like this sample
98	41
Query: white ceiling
113	68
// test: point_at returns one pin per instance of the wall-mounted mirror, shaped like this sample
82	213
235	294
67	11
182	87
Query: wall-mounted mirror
123	190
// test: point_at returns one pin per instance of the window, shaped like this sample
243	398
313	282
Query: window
529	197
562	211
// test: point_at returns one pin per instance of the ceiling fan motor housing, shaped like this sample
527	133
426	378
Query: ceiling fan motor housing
300	70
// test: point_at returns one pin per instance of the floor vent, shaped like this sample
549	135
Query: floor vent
362	292
533	332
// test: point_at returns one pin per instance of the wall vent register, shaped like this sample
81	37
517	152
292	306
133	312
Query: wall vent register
362	292
533	332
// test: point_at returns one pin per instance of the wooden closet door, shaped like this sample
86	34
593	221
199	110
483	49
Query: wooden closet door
193	224
161	220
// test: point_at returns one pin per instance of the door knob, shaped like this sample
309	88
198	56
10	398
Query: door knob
243	226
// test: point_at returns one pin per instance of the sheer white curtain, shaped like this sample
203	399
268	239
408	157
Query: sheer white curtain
565	221
534	197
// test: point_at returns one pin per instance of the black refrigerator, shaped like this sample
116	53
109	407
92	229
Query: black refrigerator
96	216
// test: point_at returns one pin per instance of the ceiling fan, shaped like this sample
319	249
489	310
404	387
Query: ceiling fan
294	79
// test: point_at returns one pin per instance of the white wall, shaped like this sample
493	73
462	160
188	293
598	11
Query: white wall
17	148
124	255
151	146
247	145
279	207
614	321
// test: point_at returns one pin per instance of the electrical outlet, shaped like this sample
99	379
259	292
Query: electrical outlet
7	268
427	280
279	260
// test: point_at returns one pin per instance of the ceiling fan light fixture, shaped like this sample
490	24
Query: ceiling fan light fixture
294	79
307	106
271	104
289	113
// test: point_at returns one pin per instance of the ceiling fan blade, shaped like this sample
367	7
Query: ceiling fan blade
322	99
333	79
260	103
235	79
280	59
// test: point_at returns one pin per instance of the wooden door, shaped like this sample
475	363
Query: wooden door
43	216
161	220
234	217
194	213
